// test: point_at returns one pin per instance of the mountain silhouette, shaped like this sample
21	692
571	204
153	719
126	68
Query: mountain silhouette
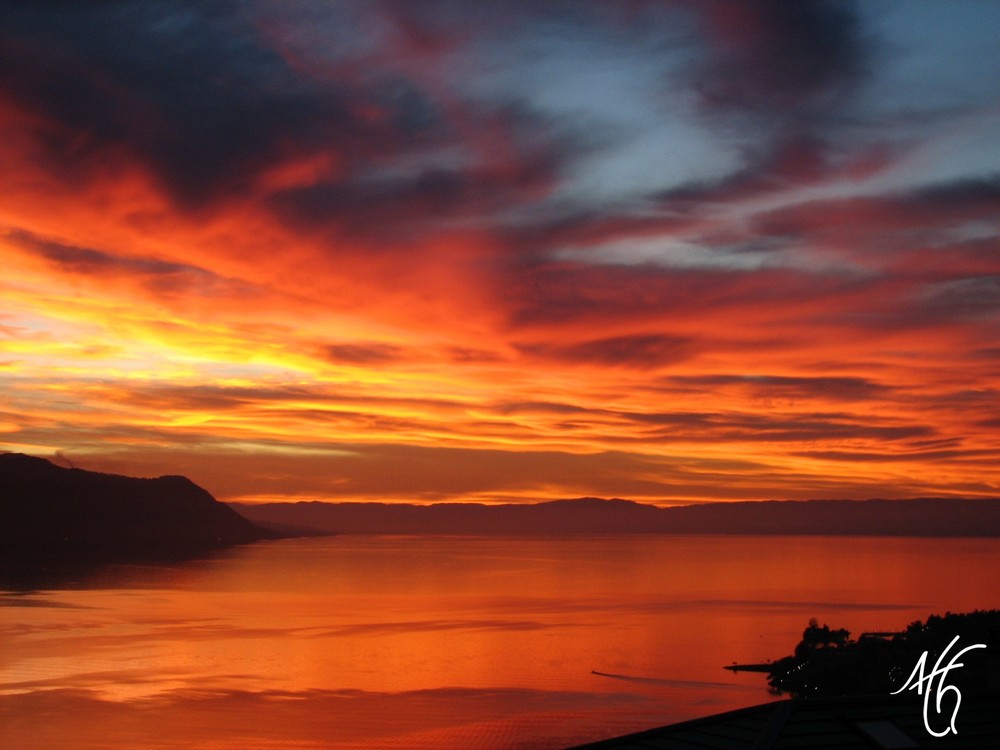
50	513
918	517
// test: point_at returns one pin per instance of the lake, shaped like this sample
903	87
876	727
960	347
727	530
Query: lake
443	642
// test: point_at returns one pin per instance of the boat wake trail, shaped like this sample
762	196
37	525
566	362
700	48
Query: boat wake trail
670	683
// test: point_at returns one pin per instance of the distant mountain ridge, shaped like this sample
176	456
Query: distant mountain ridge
50	513
928	517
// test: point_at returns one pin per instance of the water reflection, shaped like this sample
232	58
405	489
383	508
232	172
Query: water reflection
421	642
164	571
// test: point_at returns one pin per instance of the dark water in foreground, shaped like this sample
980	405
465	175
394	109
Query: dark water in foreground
447	642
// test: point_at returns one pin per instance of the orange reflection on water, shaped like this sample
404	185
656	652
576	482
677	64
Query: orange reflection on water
472	642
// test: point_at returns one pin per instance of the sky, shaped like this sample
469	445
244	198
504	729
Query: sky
438	250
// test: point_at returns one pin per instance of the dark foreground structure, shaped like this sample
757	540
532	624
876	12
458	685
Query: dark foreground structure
880	722
843	694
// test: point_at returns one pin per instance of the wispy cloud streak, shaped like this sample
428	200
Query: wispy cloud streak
666	250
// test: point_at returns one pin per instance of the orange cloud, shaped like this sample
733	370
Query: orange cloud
382	276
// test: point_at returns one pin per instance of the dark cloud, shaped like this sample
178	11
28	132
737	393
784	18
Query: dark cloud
776	165
639	351
969	194
159	276
988	354
547	293
985	456
213	397
561	293
776	386
541	407
923	215
380	206
364	354
465	355
960	299
739	427
794	160
515	161
588	228
187	88
205	97
84	260
780	57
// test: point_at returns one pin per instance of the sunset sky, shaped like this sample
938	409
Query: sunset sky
458	250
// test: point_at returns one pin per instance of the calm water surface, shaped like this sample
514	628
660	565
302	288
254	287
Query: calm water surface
446	642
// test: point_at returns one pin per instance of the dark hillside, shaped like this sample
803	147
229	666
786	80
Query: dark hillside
49	513
928	517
